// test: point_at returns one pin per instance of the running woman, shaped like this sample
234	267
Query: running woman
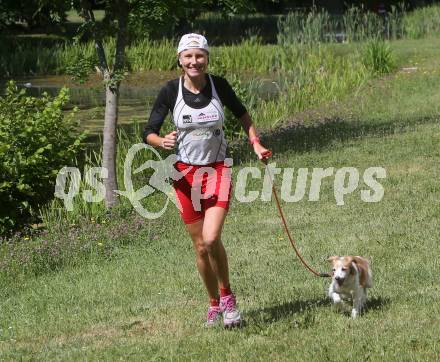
196	101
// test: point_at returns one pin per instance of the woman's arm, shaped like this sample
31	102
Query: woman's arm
231	101
248	127
164	102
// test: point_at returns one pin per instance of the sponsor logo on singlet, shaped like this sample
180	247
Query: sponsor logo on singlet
187	118
207	116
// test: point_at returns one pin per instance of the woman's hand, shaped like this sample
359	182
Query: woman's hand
262	152
169	141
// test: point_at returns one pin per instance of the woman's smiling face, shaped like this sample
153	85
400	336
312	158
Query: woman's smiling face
194	62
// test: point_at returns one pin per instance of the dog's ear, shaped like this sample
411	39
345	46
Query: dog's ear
332	259
362	265
359	260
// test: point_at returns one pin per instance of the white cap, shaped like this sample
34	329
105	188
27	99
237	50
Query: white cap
192	41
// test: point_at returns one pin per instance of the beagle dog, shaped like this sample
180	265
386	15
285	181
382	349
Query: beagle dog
351	276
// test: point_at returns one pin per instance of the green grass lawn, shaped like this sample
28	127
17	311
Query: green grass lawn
147	301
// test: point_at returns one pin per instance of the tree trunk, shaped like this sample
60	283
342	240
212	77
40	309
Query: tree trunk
109	145
112	80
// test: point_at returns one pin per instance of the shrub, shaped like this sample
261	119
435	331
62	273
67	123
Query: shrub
377	57
36	140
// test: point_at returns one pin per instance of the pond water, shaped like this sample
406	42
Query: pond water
137	94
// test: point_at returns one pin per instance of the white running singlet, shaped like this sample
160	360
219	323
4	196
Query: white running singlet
200	136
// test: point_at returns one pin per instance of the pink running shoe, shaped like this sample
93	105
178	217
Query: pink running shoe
214	314
231	315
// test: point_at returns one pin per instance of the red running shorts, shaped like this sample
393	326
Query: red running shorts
201	188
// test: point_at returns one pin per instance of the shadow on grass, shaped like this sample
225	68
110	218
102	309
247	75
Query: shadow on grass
377	303
372	304
275	313
319	135
301	312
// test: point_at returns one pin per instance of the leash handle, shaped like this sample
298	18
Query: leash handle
265	156
283	219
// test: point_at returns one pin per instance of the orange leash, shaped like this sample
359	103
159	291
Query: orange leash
292	241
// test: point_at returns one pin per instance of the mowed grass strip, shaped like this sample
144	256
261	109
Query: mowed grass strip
150	303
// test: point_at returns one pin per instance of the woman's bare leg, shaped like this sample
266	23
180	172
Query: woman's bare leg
211	233
202	259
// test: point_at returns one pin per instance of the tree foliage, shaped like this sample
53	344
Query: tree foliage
159	18
34	13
